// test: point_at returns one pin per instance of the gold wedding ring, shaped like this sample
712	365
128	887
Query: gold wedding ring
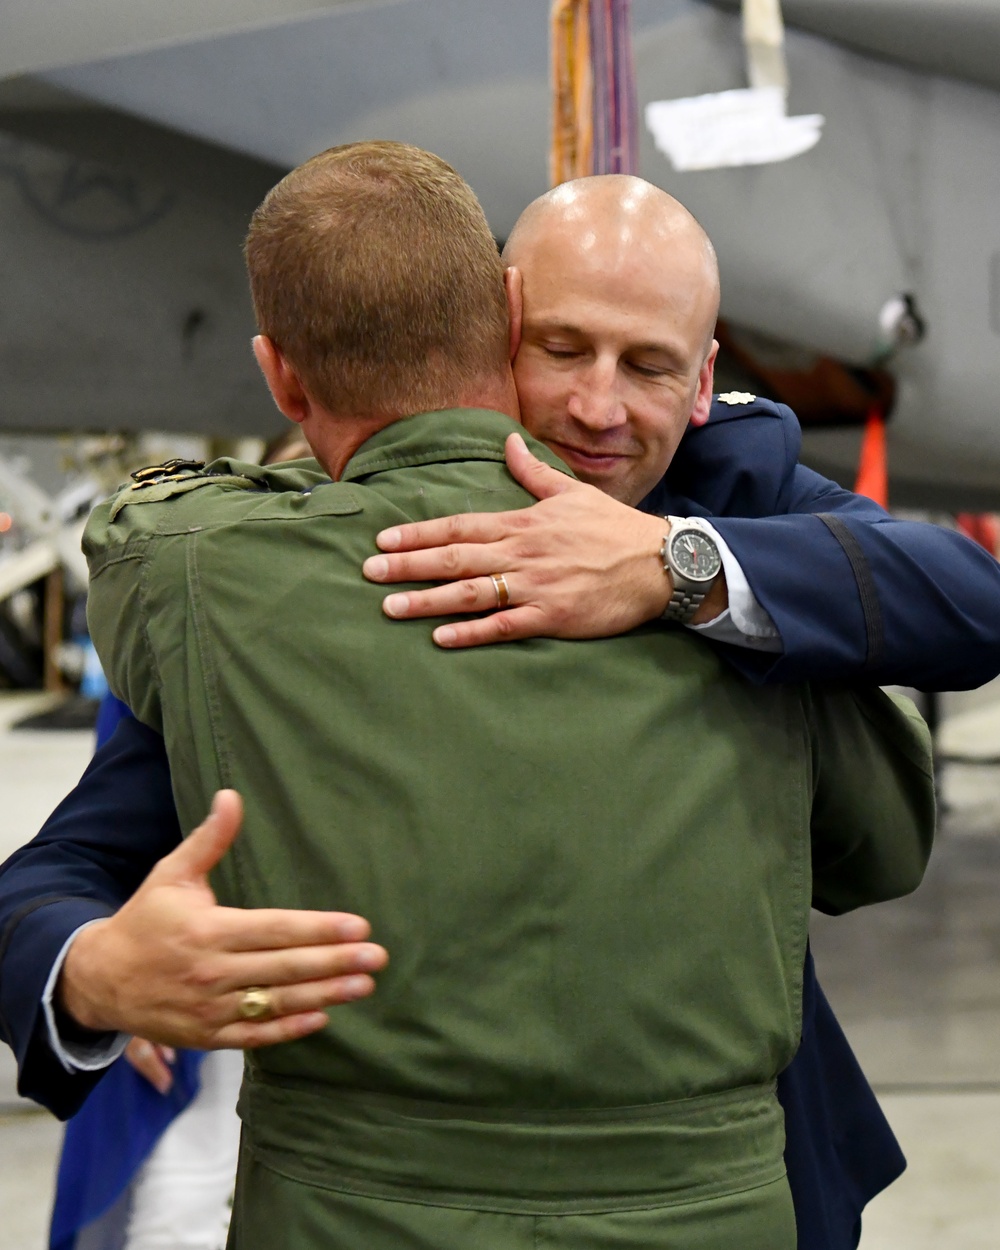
500	586
256	1004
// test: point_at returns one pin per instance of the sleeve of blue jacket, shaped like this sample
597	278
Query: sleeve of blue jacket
90	856
854	592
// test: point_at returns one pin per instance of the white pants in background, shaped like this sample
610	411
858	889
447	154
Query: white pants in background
182	1196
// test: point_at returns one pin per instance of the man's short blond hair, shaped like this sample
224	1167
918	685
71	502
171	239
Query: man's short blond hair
373	270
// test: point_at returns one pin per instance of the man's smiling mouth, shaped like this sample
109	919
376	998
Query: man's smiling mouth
586	458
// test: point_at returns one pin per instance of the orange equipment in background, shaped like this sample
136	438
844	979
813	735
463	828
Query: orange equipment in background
983	527
873	471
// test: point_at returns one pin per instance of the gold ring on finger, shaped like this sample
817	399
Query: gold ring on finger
502	589
256	1004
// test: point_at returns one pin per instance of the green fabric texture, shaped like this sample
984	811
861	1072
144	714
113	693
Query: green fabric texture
269	1203
541	1162
592	863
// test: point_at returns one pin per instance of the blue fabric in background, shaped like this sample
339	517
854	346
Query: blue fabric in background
116	1129
110	1138
110	712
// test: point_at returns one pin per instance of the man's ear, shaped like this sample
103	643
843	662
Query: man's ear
515	307
706	382
282	380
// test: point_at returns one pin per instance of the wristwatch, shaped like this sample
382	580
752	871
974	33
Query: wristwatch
691	556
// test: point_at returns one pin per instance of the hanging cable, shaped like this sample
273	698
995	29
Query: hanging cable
615	107
595	113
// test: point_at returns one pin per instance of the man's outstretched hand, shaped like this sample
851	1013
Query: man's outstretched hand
171	965
579	564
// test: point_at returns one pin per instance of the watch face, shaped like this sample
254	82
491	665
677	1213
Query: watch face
695	555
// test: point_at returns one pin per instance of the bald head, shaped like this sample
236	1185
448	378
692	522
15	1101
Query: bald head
624	222
614	293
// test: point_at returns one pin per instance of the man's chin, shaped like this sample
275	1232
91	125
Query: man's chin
615	486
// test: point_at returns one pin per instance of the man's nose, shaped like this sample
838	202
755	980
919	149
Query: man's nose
595	402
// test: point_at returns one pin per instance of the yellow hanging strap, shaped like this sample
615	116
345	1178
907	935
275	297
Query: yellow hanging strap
764	38
571	155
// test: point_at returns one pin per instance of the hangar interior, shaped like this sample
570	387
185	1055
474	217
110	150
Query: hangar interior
860	281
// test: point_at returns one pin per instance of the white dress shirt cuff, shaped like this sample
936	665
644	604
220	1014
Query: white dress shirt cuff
74	1056
745	623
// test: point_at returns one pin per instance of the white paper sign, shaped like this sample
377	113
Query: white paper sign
744	127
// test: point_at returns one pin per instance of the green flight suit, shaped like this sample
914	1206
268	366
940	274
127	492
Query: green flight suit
592	864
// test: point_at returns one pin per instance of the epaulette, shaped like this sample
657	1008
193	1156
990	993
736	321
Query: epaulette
159	482
170	471
735	405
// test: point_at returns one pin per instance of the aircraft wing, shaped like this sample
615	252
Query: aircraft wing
125	298
39	36
957	38
126	184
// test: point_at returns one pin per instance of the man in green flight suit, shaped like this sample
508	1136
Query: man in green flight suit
594	880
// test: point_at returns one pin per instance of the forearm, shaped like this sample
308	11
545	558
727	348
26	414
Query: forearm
32	946
851	595
859	594
85	993
78	1047
89	857
939	597
729	612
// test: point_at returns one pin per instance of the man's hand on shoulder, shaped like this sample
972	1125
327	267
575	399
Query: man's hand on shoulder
578	564
172	965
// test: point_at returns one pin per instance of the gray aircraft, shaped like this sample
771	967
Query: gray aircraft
135	139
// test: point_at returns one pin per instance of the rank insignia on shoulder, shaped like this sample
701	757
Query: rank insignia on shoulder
736	397
169	471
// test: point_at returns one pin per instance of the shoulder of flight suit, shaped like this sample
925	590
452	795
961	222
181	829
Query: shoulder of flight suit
177	477
184	496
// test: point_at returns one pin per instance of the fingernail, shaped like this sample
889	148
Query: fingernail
169	1054
352	929
371	958
389	540
376	568
522	445
356	987
445	636
395	605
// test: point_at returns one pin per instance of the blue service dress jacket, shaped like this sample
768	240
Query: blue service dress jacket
854	594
